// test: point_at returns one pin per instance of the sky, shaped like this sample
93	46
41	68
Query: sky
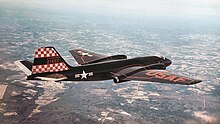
138	7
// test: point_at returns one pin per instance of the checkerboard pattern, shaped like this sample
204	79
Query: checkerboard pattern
45	52
49	68
54	67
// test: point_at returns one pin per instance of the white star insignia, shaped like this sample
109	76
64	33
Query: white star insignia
81	53
84	75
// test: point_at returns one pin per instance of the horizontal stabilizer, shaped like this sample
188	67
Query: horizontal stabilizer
25	66
51	79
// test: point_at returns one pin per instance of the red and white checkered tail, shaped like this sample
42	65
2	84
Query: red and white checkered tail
47	59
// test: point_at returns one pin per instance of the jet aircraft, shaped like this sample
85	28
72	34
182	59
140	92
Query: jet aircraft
48	65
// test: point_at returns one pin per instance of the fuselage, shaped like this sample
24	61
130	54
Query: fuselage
103	70
48	65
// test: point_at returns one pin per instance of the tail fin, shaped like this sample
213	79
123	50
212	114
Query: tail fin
47	59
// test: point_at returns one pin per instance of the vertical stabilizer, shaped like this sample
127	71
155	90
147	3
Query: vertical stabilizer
47	59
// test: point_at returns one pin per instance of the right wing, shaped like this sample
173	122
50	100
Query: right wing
84	56
162	76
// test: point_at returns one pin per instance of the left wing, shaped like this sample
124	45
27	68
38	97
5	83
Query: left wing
84	56
161	76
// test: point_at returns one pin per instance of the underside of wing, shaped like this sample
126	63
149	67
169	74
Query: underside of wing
84	56
161	76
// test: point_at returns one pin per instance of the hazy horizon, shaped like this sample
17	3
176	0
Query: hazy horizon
186	8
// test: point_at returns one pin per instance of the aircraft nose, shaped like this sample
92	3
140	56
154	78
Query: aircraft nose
167	62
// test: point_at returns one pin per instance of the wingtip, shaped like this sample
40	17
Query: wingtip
196	82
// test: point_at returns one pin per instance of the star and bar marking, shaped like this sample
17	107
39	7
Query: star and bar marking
84	75
81	53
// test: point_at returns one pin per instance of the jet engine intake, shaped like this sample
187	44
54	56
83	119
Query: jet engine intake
119	80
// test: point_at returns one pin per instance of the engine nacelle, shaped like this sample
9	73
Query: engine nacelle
119	80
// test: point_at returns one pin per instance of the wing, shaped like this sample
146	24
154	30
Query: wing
161	76
84	56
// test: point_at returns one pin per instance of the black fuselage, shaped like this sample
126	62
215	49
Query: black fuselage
104	70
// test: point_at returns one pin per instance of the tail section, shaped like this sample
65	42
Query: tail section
25	66
47	59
